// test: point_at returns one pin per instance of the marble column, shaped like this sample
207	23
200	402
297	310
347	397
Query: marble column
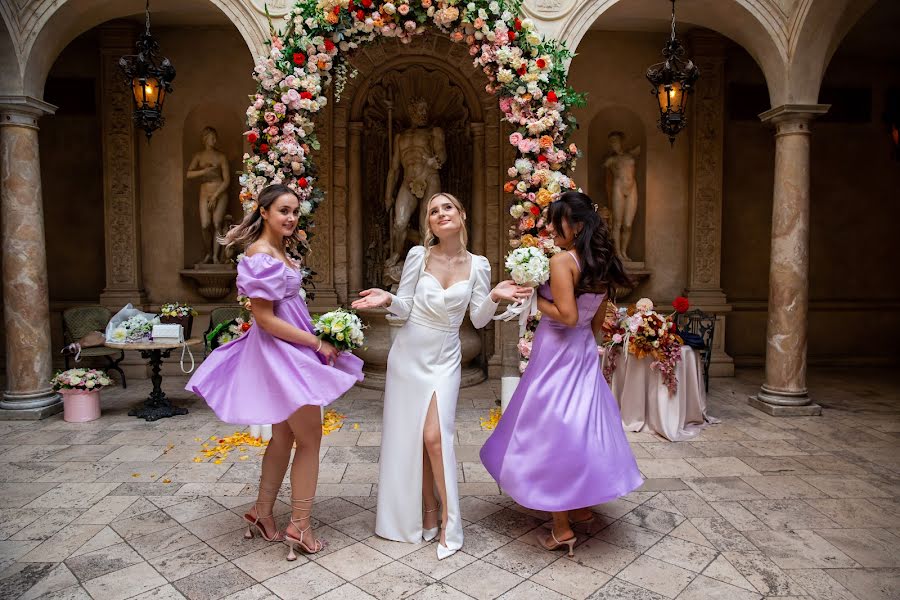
355	209
121	196
26	302
784	392
707	116
479	212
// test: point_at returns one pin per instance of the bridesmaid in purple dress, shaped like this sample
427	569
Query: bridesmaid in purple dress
279	371
560	446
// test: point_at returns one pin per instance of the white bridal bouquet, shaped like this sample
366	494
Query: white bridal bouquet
530	267
341	328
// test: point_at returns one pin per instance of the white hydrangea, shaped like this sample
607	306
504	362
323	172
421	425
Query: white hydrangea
528	266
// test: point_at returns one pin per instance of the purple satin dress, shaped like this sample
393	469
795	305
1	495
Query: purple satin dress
560	444
259	378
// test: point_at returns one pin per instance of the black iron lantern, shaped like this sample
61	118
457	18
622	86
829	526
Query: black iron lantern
673	81
149	78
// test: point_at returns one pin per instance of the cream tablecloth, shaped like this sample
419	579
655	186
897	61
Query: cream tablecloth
647	405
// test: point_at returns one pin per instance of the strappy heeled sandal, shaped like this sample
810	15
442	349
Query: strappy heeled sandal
430	534
305	506
255	520
547	544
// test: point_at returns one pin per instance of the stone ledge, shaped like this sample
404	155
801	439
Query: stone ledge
31	414
808	410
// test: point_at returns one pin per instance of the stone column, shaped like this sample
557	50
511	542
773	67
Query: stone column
26	302
121	196
355	209
784	392
479	214
704	287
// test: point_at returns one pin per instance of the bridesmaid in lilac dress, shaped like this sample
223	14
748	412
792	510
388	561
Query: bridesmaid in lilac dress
279	371
560	446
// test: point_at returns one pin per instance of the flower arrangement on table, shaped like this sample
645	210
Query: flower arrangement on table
177	310
341	328
134	329
643	332
80	379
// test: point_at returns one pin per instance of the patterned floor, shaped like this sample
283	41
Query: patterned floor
755	507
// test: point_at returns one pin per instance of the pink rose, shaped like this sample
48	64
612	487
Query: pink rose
280	108
270	118
403	9
524	146
409	25
512	172
426	3
515	138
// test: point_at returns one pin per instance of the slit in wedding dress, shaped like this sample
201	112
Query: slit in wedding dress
438	459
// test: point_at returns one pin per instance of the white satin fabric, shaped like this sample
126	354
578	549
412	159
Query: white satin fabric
424	361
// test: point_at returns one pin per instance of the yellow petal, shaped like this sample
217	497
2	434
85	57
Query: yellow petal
167	481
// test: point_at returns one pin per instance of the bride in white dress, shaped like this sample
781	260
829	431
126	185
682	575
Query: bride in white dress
440	281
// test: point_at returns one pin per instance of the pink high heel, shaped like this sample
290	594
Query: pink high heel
291	541
254	521
546	544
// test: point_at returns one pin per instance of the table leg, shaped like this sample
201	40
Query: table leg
157	405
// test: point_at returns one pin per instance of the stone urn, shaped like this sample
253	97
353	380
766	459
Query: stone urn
381	330
213	281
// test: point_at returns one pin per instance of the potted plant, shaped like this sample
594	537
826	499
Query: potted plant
80	389
175	312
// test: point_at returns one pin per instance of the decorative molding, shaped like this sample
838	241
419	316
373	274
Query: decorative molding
549	10
23	111
801	113
276	8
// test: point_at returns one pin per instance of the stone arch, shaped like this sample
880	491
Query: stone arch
10	74
757	25
53	24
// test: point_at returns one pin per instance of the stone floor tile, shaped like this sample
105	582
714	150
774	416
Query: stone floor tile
670	449
837	486
628	536
714	489
106	510
46	526
763	574
510	522
332	510
666	467
72	495
869	584
652	519
657	576
773	448
868	547
819	584
394	580
617	589
102	561
214	583
268	562
521	559
187	561
348	591
192	510
681	553
571	579
138	507
788	514
133	453
57	579
481	541
483	580
715	449
704	588
602	556
616	509
63	543
164	592
686	531
777	465
104	538
343	489
395	550
689	503
439	591
352	454
70	472
723	535
425	560
739	517
358	526
725	466
722	570
475	509
529	590
144	524
233	544
855	513
214	525
124	583
783	486
663	484
354	561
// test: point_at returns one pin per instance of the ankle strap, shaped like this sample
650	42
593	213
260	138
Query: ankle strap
433	509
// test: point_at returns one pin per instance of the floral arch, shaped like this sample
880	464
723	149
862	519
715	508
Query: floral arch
526	73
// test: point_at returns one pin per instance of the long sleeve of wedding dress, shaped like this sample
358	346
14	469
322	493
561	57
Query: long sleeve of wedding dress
481	307
402	301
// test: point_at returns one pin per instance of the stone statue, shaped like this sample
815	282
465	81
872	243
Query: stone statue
420	153
621	191
211	166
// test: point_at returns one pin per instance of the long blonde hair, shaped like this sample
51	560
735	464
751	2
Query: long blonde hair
250	228
431	240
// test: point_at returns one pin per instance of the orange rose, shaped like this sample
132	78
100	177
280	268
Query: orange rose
323	64
331	18
529	241
546	141
544	197
509	186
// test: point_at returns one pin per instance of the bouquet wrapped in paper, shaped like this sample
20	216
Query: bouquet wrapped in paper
529	267
341	328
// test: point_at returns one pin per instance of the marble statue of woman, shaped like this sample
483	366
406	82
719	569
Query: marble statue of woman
621	191
211	166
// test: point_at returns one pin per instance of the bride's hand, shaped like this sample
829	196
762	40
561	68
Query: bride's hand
372	298
508	290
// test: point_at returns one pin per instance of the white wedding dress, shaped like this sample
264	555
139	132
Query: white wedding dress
424	361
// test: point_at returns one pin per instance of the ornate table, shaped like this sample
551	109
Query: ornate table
156	406
647	405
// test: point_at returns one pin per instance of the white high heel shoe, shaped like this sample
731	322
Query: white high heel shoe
444	552
430	534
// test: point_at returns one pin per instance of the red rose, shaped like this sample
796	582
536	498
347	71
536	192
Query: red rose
306	95
252	137
542	158
535	210
367	3
541	63
518	24
299	59
302	182
681	304
329	45
337	10
361	15
522	70
263	148
245	326
511	35
350	7
551	96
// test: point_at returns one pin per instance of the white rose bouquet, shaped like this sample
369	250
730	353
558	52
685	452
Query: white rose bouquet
341	328
80	379
530	267
134	329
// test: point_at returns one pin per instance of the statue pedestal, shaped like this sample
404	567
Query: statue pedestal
638	273
381	331
213	281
